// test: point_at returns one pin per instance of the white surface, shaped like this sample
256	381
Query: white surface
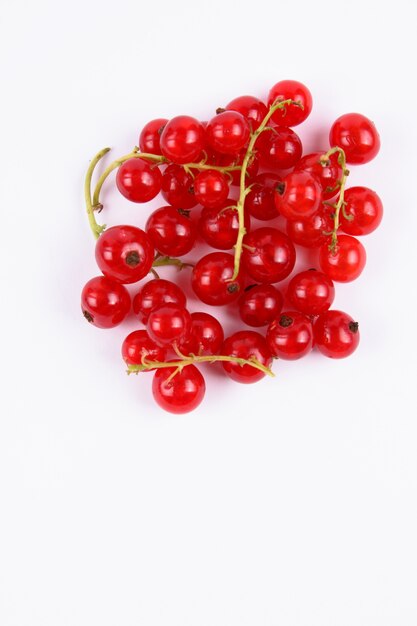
290	502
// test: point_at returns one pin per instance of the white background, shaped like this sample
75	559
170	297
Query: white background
292	502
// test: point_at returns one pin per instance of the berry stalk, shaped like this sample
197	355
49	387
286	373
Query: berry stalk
340	204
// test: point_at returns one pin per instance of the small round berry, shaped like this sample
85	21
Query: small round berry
248	345
290	336
206	335
104	302
219	227
178	391
298	196
138	180
364	207
139	346
211	188
154	294
253	109
178	187
346	262
311	292
182	140
211	279
336	334
291	115
259	305
268	255
328	175
280	148
310	232
169	324
228	132
150	137
124	253
260	201
358	137
172	231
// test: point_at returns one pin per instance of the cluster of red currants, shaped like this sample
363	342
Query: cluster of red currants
245	164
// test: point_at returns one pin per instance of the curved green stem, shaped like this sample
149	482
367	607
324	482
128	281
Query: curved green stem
162	261
340	204
96	228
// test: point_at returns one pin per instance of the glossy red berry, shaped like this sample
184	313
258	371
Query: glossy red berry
291	115
211	188
154	294
365	209
182	140
168	324
206	336
358	137
178	187
298	196
346	262
290	336
104	302
311	232
124	253
253	109
328	175
268	255
138	180
178	391
219	227
228	132
150	136
139	346
336	334
246	344
172	231
260	201
259	305
211	279
311	292
280	148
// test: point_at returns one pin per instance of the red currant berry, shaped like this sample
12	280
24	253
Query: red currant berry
178	391
211	279
365	209
328	176
182	140
280	148
298	196
311	232
246	344
178	187
336	334
219	227
358	137
104	302
290	336
124	253
156	293
346	262
260	201
260	304
268	255
253	109
311	292
168	324
138	181
138	346
206	336
172	231
291	115
149	138
228	132
211	188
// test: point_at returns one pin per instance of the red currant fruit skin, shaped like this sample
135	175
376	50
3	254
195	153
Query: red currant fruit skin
346	263
260	201
311	231
156	293
365	207
298	196
358	137
178	187
124	253
182	140
280	148
139	345
246	344
311	292
180	394
138	181
211	188
228	160
259	305
268	255
206	336
211	279
327	175
336	334
169	323
219	227
172	231
228	132
253	109
104	302
291	115
290	336
150	136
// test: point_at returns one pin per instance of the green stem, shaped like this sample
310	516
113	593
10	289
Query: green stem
162	261
341	199
96	228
